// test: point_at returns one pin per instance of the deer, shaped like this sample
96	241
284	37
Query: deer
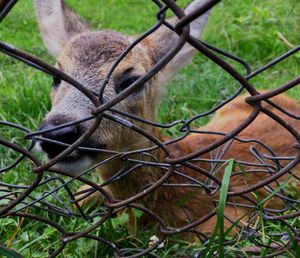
86	55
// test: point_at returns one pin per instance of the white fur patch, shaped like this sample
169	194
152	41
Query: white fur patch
75	167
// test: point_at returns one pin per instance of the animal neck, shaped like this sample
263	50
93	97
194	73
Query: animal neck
140	176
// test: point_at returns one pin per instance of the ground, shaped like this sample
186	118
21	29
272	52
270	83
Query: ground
257	31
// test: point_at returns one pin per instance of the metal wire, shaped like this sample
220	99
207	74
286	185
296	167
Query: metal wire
265	163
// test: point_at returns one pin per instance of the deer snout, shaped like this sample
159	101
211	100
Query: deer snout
67	135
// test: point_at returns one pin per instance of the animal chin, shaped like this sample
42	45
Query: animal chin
74	165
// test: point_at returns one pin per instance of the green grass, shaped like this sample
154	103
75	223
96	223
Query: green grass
249	29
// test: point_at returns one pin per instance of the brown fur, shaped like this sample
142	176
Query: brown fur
165	201
87	56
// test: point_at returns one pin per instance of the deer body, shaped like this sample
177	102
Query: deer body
87	55
165	201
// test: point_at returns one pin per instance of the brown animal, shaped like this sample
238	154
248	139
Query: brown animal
87	55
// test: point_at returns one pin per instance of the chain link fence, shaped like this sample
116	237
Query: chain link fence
262	189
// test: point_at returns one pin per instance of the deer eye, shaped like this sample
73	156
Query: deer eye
56	81
126	83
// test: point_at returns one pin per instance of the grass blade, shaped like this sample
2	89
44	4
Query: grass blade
222	202
219	230
9	253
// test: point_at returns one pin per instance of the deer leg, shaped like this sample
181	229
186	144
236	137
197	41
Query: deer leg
86	197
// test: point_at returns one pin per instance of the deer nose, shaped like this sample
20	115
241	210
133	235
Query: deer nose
66	135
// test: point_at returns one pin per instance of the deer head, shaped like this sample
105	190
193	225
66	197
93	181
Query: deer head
87	55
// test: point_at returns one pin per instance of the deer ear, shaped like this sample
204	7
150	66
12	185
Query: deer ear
163	40
58	24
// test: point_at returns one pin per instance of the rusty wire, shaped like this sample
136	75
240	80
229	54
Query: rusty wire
20	199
